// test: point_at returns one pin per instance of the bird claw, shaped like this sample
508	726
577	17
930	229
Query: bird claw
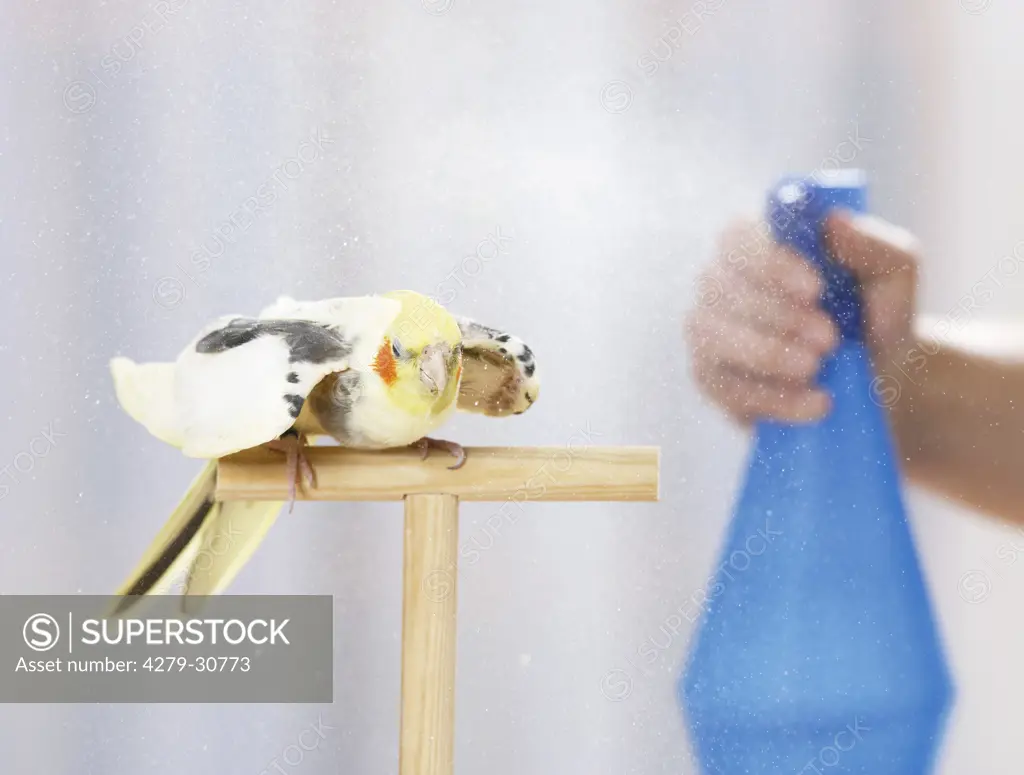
300	470
452	448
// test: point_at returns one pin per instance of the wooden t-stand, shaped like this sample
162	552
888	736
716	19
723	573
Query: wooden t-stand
432	493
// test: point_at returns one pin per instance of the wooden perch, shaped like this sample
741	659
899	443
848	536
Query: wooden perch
432	493
489	474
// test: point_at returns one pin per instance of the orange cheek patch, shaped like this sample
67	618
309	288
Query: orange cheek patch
384	363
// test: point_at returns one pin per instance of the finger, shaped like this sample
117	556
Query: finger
748	250
778	268
773	313
727	342
749	400
869	246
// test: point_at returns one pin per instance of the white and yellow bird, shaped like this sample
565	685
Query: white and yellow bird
372	372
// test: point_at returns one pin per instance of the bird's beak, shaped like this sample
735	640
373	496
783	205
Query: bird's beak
434	368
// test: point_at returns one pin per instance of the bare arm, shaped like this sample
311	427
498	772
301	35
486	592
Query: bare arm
958	418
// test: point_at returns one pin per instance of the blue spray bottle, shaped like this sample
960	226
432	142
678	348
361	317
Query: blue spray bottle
818	650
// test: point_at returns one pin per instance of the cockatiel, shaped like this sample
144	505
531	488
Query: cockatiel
372	372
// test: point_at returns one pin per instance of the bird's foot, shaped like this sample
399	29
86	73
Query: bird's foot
426	444
300	470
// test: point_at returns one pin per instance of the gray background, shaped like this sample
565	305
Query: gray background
446	126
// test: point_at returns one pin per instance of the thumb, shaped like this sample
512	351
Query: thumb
869	246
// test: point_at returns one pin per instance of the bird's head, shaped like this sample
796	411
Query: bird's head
421	356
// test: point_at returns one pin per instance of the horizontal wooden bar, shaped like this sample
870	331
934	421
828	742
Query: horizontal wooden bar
489	474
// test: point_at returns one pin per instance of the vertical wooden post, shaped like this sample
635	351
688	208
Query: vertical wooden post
426	745
432	492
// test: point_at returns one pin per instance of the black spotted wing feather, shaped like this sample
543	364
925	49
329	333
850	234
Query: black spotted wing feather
307	342
499	372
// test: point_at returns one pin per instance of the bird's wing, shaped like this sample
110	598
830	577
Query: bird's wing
499	374
343	309
146	393
243	381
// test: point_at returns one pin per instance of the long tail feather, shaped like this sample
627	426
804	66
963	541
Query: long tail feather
227	541
212	539
172	549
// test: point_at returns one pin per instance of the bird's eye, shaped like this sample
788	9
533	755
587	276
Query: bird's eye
397	350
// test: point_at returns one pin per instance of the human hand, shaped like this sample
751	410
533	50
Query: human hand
758	339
